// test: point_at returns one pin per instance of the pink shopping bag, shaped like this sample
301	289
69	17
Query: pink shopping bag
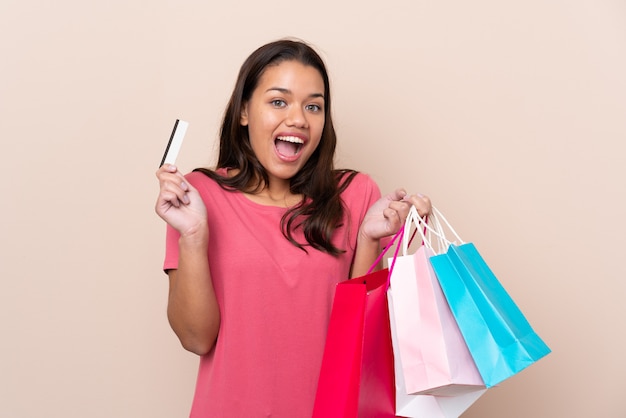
413	405
433	353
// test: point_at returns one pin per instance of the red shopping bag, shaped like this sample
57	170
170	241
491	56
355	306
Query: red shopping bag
357	378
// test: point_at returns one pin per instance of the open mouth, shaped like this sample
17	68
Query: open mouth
288	146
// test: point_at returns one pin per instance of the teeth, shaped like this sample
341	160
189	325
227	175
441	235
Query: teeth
293	139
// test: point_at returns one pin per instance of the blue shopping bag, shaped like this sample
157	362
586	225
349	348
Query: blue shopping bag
498	335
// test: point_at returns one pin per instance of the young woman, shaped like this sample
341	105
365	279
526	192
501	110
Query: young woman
256	246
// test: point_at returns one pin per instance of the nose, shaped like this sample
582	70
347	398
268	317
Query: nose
297	117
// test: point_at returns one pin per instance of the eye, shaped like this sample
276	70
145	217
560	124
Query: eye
278	103
314	108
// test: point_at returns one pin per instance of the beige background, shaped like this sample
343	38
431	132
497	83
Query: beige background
510	115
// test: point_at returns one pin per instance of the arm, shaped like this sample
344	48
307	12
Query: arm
192	308
366	252
384	218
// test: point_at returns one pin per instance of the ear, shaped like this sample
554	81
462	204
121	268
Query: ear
243	118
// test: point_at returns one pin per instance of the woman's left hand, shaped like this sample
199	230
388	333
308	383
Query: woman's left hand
388	214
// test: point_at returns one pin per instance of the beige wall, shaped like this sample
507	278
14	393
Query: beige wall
509	114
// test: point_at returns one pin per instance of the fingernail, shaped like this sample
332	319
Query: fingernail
184	186
420	195
185	199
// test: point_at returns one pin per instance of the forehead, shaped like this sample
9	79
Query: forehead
292	75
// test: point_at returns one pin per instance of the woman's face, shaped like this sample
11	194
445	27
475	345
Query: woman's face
285	118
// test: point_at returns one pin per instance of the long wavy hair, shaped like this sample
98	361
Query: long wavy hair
321	210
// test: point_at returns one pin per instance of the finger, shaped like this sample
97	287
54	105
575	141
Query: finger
397	195
167	199
422	203
175	189
168	175
177	196
166	168
165	175
394	220
170	168
179	182
402	208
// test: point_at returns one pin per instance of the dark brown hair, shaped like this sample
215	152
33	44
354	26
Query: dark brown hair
321	210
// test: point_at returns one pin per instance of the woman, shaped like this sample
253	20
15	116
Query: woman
256	246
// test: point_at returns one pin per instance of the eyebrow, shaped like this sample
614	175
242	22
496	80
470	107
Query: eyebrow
287	91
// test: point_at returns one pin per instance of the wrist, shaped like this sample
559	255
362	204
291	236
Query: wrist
365	241
197	236
367	250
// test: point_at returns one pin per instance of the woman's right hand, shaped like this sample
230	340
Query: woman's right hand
179	203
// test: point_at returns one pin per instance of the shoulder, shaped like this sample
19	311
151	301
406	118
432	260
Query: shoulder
197	177
208	185
361	188
364	180
357	181
201	177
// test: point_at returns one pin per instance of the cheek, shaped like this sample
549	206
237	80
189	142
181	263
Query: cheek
260	126
319	127
317	144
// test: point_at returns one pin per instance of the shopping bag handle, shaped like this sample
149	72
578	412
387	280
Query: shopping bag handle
438	214
436	230
413	218
422	227
398	234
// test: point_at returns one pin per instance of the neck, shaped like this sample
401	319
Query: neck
277	193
